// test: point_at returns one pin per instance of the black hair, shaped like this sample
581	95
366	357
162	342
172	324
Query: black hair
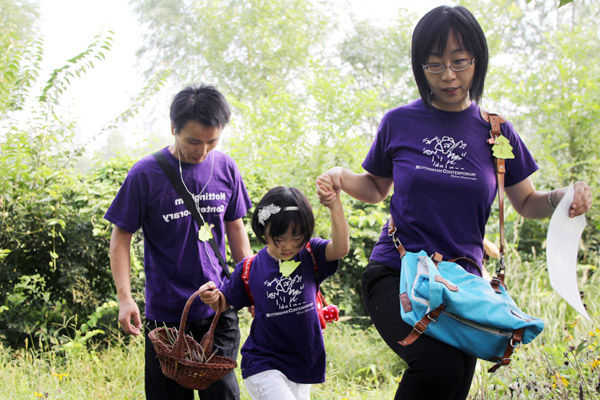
302	220
203	104
431	35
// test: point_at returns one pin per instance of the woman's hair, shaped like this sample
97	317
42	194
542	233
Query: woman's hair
266	214
431	35
203	104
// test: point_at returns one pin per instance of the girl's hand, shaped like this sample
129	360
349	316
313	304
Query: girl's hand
329	186
210	294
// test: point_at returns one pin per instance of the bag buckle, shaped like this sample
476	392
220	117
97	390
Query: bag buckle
421	326
392	234
501	265
515	343
420	332
397	243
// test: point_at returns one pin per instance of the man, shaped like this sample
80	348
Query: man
178	258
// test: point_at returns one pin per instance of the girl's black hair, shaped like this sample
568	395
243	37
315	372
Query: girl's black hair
302	220
431	35
203	104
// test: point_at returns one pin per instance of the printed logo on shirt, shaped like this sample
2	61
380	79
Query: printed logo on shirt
203	208
285	292
446	155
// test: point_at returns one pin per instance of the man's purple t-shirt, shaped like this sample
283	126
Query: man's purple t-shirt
444	179
285	334
175	261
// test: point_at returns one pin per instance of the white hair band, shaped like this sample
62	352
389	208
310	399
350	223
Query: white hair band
265	213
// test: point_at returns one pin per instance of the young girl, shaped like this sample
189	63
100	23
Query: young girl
284	353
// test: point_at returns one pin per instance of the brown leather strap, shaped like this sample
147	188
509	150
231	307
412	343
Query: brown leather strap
495	120
514	342
397	243
421	325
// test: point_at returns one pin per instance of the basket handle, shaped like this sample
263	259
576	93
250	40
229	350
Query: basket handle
207	340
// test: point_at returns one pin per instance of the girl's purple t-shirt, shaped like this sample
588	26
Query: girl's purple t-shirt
444	179
285	334
176	263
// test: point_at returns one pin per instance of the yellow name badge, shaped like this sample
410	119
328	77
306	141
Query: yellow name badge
205	233
501	148
287	267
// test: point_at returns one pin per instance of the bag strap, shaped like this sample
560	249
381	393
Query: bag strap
514	342
163	162
320	297
315	266
421	325
495	120
246	275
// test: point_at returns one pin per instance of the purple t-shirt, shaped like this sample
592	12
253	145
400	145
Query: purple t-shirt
175	261
285	334
444	179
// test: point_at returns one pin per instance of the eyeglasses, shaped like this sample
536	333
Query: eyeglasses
456	66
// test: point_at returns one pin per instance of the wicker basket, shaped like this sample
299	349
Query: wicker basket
175	360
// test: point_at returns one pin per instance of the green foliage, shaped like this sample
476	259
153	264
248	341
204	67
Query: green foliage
247	48
378	58
560	4
60	78
563	362
51	220
54	267
20	52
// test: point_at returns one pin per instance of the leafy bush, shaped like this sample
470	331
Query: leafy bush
55	237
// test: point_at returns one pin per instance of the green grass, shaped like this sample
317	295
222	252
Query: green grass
360	366
562	363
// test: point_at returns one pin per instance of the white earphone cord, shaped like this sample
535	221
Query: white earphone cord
197	205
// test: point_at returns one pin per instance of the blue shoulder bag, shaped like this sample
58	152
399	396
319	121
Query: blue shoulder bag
441	299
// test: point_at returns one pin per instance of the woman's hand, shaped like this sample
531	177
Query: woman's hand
582	201
329	185
531	203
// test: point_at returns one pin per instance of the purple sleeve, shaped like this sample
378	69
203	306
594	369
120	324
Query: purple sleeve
523	165
377	161
235	289
324	268
240	200
127	208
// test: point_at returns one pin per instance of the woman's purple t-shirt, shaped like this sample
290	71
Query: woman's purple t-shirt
444	179
285	334
175	261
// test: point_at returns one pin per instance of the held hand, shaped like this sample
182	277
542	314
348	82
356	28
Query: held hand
329	185
582	201
128	312
325	190
210	294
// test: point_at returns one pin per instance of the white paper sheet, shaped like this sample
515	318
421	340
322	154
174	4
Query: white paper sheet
562	244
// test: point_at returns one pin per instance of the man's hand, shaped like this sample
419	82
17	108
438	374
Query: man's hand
128	312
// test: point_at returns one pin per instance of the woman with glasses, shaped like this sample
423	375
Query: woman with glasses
434	152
